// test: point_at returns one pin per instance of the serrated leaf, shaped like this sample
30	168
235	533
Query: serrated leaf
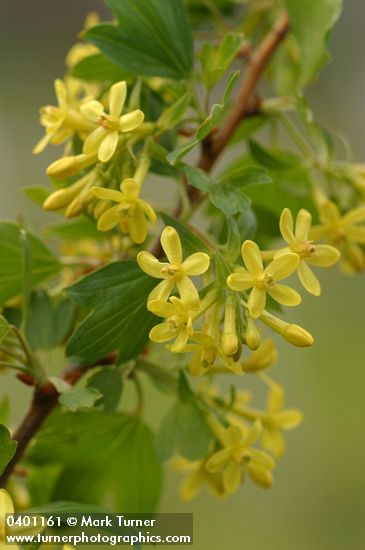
117	295
231	200
190	239
109	384
151	38
98	68
75	399
43	264
215	60
49	321
183	431
7	448
124	471
311	22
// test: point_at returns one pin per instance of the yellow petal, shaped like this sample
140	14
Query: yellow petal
253	434
191	486
93	140
262	459
275	399
117	97
356	234
217	461
92	110
108	146
232	477
6	504
262	477
240	281
329	213
324	255
130	188
308	279
289	419
42	144
107	194
283	266
61	93
161	308
180	341
256	302
303	225
355	215
287	225
285	295
252	257
188	292
148	210
109	219
161	292
131	121
162	333
150	265
273	441
233	436
171	244
138	226
196	264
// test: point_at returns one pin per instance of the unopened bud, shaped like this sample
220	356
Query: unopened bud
69	166
252	335
294	334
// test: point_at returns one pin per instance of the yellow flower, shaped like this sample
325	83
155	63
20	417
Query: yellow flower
63	121
345	231
131	212
238	455
76	197
276	420
298	241
7	507
178	324
206	350
176	272
337	228
104	140
197	478
264	280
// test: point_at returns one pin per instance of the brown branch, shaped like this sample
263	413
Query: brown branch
45	399
246	104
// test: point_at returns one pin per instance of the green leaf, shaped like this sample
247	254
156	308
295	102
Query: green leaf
117	295
7	448
183	431
216	60
79	398
311	22
124	472
177	154
49	321
73	230
241	174
190	238
228	198
173	114
109	384
275	160
4	410
98	68
43	264
234	241
4	328
36	193
152	38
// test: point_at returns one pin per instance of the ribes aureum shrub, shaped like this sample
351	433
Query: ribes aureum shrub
183	285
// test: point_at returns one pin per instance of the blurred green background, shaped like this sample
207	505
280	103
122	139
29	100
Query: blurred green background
318	498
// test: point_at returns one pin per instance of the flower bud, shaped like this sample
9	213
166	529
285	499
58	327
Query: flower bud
294	334
252	335
229	341
69	166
